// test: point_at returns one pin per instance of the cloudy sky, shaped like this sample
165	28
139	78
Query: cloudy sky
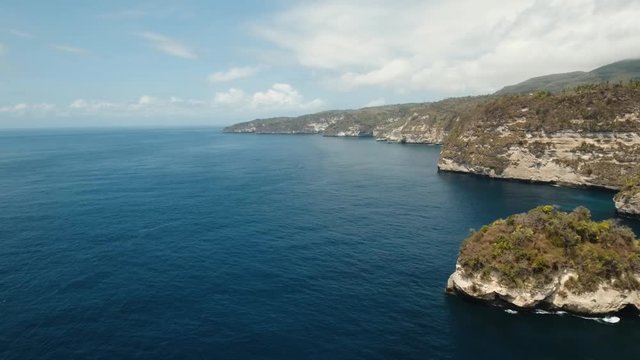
172	63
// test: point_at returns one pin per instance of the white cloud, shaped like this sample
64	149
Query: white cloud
388	73
280	96
376	102
233	73
452	47
27	109
22	34
278	100
168	45
70	49
230	97
145	105
147	100
92	105
124	14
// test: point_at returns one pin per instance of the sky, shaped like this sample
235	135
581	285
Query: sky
211	63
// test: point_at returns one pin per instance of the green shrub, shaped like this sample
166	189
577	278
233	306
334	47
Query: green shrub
533	247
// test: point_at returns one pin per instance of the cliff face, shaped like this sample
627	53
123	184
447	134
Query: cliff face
552	260
428	124
415	129
590	137
556	295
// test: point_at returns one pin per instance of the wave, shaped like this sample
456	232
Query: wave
545	312
611	319
603	320
509	311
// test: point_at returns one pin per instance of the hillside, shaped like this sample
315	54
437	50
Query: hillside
624	71
356	122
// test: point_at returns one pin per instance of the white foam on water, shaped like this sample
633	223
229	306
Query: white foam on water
611	319
604	320
509	311
543	312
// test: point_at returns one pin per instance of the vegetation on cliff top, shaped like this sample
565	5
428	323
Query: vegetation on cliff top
631	185
533	248
628	194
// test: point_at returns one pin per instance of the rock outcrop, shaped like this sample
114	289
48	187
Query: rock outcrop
551	260
627	204
627	201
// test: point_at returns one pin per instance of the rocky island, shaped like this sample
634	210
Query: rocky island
552	260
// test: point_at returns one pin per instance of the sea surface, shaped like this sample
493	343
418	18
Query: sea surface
191	243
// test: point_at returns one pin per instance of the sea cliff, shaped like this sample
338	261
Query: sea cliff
586	137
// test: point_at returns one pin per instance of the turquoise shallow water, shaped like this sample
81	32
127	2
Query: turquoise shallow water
190	243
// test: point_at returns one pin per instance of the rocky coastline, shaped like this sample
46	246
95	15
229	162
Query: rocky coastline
586	137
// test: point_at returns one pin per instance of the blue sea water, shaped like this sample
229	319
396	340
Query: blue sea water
191	243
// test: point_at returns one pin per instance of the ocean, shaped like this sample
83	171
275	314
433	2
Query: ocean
191	243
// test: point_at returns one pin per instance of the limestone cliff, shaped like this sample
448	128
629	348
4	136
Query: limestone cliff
556	295
552	260
586	137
